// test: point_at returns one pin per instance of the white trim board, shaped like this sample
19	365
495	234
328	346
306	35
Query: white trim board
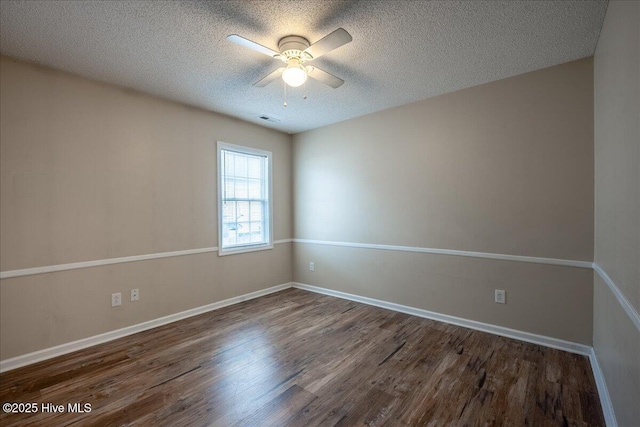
556	343
108	261
603	391
486	255
59	350
624	302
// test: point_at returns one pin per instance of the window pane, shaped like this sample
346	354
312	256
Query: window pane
229	234
255	167
229	189
255	188
244	232
256	232
227	164
240	165
242	213
241	189
229	212
256	211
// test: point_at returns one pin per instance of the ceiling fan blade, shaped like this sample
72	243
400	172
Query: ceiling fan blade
269	78
324	77
252	45
329	42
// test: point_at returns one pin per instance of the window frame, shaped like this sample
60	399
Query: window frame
250	247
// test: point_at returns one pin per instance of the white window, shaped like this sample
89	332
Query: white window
244	199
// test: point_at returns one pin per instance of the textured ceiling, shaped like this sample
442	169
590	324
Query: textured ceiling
402	51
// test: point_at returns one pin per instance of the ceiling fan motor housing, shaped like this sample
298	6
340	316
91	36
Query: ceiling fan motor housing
293	47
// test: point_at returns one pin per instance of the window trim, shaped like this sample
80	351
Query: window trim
250	151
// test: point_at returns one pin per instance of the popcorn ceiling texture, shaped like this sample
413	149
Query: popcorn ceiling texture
402	51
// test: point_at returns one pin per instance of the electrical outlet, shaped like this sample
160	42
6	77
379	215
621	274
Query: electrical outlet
501	296
135	294
312	266
116	299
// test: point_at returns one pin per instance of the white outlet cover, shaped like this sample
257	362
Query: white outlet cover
116	299
312	266
501	296
135	294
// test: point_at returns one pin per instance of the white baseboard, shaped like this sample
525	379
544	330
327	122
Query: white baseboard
59	350
603	391
559	344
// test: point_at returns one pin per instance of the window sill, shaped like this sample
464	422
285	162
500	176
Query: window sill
244	249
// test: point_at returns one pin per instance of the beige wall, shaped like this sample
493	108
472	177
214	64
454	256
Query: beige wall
90	171
459	286
617	188
506	167
44	310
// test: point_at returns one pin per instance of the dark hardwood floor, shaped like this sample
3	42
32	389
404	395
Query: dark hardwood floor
304	359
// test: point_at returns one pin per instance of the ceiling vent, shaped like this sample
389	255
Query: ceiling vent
268	118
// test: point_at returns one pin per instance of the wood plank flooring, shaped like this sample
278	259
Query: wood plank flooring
296	358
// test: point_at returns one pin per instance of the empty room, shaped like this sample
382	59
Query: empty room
320	213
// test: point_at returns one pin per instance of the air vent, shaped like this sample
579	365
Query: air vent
268	118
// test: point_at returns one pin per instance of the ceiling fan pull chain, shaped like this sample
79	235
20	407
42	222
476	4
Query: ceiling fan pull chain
304	90
285	93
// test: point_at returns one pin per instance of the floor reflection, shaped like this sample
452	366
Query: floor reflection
246	366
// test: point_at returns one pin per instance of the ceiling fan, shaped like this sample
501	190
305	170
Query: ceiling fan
295	51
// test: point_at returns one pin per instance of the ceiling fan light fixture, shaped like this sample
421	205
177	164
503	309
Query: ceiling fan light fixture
295	51
295	74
